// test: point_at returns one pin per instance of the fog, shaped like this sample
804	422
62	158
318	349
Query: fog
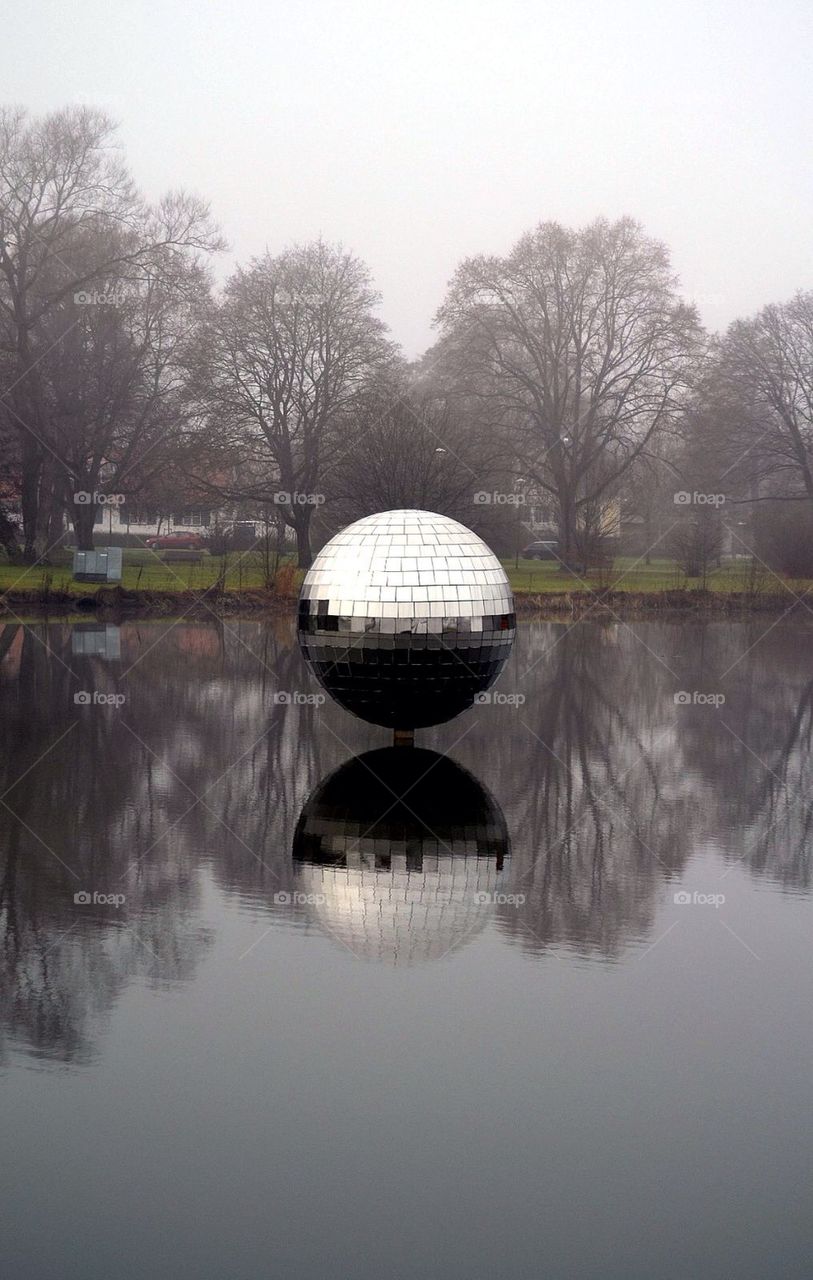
419	134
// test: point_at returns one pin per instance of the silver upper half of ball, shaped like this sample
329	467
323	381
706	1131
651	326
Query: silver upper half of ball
400	916
408	564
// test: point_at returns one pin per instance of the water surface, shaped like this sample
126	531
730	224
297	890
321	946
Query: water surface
480	1031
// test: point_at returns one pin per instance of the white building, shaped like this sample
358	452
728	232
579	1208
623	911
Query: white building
146	522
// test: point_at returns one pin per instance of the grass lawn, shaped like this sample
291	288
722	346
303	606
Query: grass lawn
142	571
631	574
245	571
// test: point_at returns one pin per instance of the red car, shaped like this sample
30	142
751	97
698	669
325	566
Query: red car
185	541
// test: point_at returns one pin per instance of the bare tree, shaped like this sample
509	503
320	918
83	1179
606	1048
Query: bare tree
696	541
415	450
577	346
115	380
763	398
63	187
291	350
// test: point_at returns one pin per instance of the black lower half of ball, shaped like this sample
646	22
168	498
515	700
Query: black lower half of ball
416	803
422	674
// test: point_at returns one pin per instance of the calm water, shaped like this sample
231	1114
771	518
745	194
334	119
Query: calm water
470	1031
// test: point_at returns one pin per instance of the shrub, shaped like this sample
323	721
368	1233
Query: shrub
285	583
697	542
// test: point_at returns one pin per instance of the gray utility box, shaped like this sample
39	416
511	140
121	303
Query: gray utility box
103	565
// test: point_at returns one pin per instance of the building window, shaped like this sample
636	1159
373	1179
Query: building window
195	517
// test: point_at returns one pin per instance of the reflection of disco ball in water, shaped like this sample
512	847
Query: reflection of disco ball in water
405	616
400	880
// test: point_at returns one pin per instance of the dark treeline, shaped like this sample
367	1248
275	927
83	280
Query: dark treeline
569	371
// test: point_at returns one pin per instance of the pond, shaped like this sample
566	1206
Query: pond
531	999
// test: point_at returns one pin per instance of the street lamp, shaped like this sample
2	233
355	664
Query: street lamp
520	484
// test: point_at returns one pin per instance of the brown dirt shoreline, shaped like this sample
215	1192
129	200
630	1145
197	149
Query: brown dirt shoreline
117	601
109	601
672	603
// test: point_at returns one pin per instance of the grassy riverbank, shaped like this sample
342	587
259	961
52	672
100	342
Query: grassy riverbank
629	574
145	572
631	586
241	581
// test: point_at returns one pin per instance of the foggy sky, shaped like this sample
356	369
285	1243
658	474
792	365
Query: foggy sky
417	133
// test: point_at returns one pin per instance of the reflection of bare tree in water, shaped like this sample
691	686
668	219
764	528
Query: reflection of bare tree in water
62	967
756	751
80	806
605	783
783	848
201	759
602	811
269	754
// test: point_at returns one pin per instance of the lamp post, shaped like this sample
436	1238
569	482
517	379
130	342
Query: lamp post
519	488
564	443
440	454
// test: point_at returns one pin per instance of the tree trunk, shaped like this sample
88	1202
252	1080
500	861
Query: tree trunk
56	526
49	516
84	517
302	528
567	530
30	495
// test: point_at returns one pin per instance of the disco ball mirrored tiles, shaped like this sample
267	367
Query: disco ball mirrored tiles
405	616
401	881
